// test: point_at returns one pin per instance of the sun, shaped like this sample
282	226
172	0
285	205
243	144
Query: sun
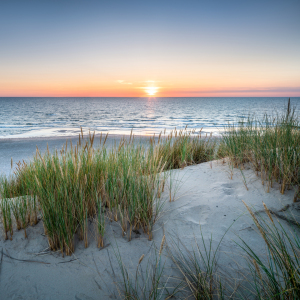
151	90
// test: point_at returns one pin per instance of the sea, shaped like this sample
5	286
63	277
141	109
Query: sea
57	117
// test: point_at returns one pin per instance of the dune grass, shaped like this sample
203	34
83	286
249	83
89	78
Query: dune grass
274	274
198	268
79	183
278	276
146	282
271	146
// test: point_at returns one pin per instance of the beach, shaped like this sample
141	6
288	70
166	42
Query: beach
207	201
132	216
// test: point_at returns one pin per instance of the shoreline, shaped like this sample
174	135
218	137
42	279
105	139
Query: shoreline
114	135
68	137
19	149
24	149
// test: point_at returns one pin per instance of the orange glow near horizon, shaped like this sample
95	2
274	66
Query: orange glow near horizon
134	88
165	80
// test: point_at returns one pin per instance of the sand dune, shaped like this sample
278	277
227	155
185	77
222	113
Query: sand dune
206	197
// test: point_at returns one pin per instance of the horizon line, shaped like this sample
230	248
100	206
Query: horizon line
150	97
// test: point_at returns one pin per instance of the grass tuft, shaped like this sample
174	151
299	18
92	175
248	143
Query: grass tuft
277	276
271	146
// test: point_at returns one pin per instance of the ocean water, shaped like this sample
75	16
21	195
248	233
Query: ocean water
49	117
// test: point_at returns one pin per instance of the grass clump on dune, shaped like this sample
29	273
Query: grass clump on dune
14	204
198	268
271	146
274	274
148	281
74	186
80	183
183	147
278	275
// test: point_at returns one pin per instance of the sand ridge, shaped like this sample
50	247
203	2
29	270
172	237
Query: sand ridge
206	197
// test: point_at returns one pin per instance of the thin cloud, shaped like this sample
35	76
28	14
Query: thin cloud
149	81
123	82
248	90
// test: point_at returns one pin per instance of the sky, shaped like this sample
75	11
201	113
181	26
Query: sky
164	48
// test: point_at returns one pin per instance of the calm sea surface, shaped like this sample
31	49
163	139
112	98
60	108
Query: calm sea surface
42	117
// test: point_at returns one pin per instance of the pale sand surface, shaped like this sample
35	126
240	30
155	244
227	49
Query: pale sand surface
207	196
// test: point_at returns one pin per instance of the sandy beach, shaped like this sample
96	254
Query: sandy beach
206	197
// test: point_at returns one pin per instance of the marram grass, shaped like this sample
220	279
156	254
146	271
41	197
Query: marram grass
270	145
80	183
274	274
278	276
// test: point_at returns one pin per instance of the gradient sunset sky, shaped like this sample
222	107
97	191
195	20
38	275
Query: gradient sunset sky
139	48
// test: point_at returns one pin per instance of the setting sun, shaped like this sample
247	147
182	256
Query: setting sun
151	90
